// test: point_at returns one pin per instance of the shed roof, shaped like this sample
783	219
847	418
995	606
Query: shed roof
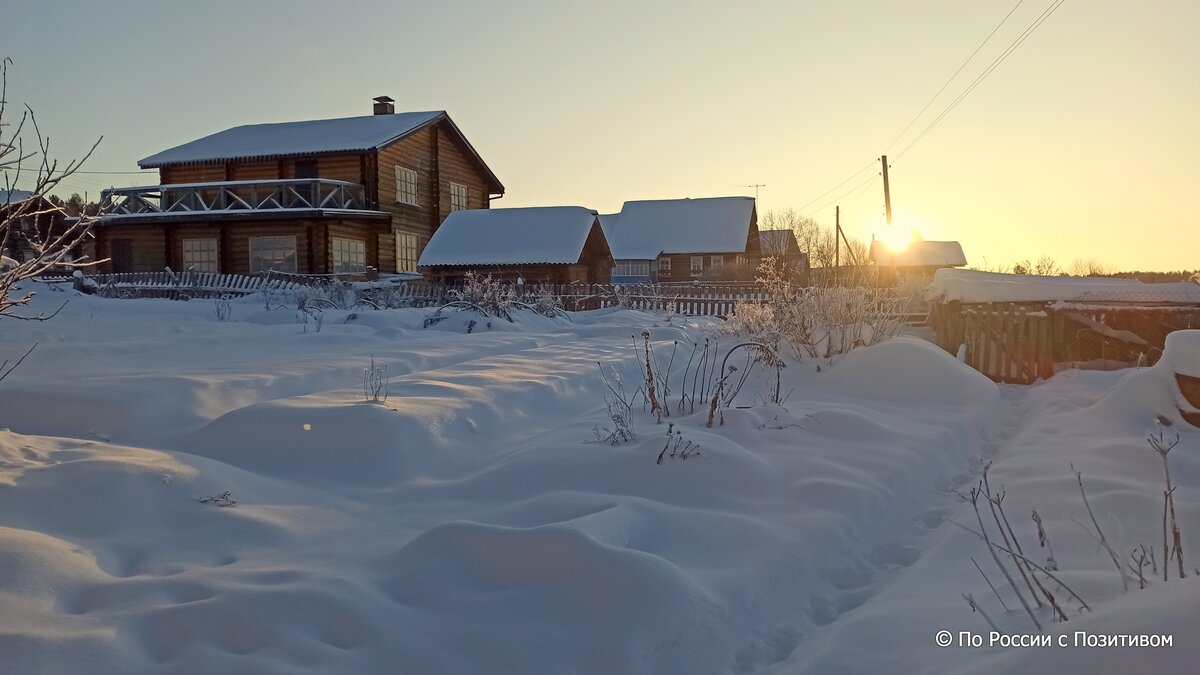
920	254
972	286
645	229
521	236
311	137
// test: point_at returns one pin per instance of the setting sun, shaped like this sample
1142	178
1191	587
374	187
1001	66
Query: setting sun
897	239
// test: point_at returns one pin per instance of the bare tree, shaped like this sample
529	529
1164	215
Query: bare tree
46	247
1044	266
805	228
1089	267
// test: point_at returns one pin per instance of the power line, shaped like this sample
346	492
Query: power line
947	84
863	184
848	179
1054	5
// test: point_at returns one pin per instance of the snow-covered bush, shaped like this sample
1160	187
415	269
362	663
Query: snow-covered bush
545	301
818	322
223	308
491	296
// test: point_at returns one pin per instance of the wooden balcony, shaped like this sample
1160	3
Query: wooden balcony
234	198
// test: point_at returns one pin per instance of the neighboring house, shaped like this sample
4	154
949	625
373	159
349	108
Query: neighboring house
549	244
782	245
317	197
30	221
668	240
919	258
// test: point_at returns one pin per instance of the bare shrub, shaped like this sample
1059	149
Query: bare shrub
819	322
30	219
376	382
619	409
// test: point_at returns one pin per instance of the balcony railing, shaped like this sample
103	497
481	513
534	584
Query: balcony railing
249	196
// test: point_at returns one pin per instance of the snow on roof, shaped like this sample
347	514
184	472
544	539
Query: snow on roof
644	229
520	236
14	196
293	138
920	254
972	286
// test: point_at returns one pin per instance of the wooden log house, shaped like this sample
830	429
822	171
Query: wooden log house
313	197
673	240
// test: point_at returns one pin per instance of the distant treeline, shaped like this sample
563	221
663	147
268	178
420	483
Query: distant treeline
1157	277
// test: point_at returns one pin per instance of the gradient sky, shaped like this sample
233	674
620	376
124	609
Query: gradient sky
1080	145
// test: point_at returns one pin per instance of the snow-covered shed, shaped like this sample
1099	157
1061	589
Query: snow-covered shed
684	239
922	257
548	244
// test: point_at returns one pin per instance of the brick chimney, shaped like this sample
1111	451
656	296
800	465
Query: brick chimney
384	105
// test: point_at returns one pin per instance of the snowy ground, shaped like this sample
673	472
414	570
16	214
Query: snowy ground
468	525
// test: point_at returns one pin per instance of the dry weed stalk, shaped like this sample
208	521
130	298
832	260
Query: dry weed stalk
1163	447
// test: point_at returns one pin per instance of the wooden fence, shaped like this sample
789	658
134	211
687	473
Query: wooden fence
1024	342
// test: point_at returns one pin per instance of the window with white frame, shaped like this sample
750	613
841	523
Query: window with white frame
200	255
406	186
716	262
406	252
349	256
697	264
459	197
631	268
664	264
273	253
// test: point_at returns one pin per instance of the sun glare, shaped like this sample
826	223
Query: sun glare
897	239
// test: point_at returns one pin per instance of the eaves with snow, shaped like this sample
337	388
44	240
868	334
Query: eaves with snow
645	229
311	137
553	235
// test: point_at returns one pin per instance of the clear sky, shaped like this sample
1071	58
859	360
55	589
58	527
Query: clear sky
1080	145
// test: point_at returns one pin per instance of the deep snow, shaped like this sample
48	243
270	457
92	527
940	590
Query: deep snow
470	523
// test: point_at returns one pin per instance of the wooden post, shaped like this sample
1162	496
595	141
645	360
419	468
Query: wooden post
887	193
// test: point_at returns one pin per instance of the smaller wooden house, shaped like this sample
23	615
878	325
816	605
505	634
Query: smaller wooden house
31	221
665	240
550	244
782	245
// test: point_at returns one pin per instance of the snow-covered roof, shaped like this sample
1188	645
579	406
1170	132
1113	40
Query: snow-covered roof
972	286
521	236
14	196
919	254
346	134
644	229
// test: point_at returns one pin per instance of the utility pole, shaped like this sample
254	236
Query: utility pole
887	193
837	237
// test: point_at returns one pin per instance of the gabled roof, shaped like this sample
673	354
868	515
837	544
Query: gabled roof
522	236
645	229
778	242
312	137
920	254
